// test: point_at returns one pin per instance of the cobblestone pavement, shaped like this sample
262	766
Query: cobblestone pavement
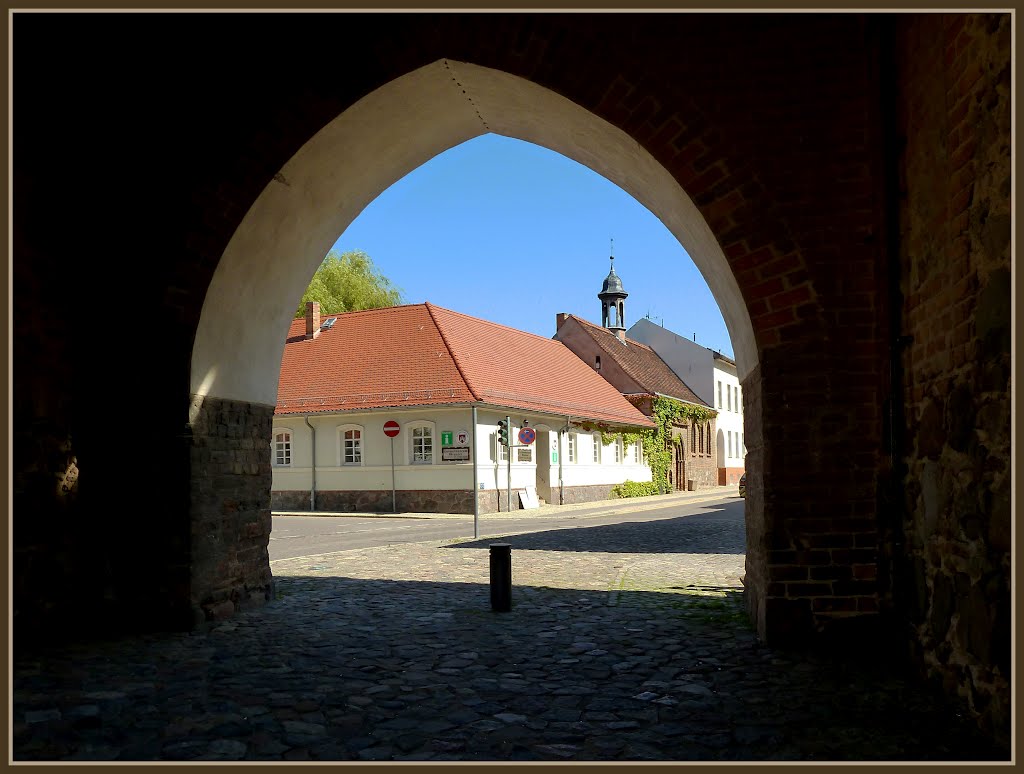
625	642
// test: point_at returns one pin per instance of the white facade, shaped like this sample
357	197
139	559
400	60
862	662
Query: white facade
353	453
713	379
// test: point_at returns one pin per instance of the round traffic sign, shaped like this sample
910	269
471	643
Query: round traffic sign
391	428
527	435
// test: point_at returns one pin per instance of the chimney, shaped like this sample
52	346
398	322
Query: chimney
620	334
312	319
560	318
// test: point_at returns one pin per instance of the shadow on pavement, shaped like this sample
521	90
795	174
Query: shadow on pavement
339	668
713	532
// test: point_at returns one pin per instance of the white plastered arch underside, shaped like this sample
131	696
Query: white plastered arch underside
297	218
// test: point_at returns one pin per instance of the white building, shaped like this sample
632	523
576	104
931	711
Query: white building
430	371
713	377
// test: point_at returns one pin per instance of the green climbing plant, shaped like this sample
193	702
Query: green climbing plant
666	413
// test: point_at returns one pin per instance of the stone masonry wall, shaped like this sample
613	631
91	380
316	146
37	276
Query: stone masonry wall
230	506
955	252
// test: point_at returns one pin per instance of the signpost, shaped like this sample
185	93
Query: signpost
391	429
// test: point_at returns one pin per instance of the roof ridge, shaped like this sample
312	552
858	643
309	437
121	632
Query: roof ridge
492	323
597	327
451	352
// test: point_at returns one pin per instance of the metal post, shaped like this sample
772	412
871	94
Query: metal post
394	506
508	474
501	577
476	478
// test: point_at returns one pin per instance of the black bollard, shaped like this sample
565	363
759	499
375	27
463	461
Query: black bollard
501	577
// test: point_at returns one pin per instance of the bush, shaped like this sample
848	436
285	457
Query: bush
635	489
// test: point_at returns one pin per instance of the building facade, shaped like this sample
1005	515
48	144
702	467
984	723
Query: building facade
636	371
433	374
714	379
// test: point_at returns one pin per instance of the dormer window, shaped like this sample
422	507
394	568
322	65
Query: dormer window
597	362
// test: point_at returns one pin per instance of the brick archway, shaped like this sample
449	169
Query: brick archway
854	169
345	165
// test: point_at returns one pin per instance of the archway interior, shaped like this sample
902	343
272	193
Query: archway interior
383	137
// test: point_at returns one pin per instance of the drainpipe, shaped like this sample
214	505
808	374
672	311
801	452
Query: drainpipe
476	477
312	483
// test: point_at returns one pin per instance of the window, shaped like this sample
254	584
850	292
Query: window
282	448
742	447
693	439
571	448
636	454
421	437
618	450
597	449
502	455
739	404
719	395
351	437
729	434
728	396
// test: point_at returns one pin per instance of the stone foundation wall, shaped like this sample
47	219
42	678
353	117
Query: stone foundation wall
702	471
230	506
294	500
954	580
582	494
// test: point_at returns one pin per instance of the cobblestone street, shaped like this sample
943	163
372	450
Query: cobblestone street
625	642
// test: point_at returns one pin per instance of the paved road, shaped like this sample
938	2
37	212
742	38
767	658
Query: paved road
627	640
296	536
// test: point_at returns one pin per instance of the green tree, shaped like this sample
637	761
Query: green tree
347	282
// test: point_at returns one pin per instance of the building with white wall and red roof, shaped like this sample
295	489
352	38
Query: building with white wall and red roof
431	370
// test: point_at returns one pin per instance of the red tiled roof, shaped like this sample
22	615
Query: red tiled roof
426	355
640	363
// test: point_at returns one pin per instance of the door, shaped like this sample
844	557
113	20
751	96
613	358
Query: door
544	458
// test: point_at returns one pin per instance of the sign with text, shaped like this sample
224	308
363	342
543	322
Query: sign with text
455	454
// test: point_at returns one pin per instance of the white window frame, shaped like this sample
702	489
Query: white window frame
728	397
719	393
570	449
597	447
728	434
289	441
636	454
411	429
619	452
342	429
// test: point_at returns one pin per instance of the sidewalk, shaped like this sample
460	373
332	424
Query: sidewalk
574	510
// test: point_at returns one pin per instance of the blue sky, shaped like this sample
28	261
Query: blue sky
511	232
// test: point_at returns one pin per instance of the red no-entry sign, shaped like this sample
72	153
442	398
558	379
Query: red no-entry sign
391	428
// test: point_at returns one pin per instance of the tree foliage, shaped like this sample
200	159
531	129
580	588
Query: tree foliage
348	282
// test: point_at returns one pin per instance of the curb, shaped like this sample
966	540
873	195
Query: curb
601	508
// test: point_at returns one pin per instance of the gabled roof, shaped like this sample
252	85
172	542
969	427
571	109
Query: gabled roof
640	363
423	354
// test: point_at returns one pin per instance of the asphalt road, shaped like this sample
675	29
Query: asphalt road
296	536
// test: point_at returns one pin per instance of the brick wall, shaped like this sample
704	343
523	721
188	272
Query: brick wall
779	144
955	242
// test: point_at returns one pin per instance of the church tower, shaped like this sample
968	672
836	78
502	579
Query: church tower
613	304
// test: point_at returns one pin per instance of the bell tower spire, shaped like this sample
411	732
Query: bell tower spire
613	302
